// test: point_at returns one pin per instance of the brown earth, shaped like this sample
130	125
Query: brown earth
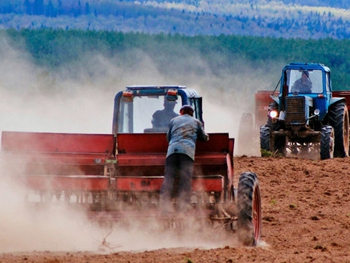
306	218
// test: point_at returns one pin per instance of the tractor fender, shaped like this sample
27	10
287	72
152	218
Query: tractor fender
332	101
336	100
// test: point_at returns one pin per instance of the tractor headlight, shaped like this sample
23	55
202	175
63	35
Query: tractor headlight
317	112
273	114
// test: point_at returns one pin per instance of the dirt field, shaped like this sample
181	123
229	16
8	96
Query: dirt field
306	218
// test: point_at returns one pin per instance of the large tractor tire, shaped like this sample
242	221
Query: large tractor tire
265	133
279	145
249	210
339	120
327	142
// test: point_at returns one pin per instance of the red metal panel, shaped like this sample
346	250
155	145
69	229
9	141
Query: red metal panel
141	143
139	183
57	142
211	158
154	183
66	183
342	93
218	142
159	159
232	146
262	101
56	158
208	184
150	150
141	160
156	143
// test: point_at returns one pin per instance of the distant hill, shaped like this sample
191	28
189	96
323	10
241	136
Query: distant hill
313	19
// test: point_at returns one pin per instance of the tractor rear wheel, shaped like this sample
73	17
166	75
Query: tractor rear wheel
249	209
339	120
265	132
327	142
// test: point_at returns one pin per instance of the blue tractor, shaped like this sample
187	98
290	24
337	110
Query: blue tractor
304	117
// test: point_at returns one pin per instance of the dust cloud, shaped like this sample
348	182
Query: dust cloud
74	100
28	228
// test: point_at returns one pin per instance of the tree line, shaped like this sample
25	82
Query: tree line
54	49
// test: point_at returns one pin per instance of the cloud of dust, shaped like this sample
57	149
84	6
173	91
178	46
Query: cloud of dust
149	234
230	95
26	227
79	99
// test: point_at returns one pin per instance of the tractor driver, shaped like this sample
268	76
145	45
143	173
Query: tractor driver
302	85
161	118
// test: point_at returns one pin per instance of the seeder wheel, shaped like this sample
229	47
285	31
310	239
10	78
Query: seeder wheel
249	209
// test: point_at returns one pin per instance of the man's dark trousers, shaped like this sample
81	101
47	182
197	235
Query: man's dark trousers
177	167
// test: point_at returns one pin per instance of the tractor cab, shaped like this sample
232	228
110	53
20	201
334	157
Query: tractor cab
305	81
309	81
149	109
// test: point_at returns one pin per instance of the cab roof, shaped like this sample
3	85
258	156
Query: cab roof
307	66
190	93
146	87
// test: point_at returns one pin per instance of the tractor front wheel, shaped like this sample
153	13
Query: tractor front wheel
265	132
279	142
249	209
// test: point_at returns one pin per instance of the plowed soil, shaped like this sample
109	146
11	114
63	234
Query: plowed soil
306	218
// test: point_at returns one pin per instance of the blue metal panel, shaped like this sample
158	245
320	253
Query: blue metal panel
322	105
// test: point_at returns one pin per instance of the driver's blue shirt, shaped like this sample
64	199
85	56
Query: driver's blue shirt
183	132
